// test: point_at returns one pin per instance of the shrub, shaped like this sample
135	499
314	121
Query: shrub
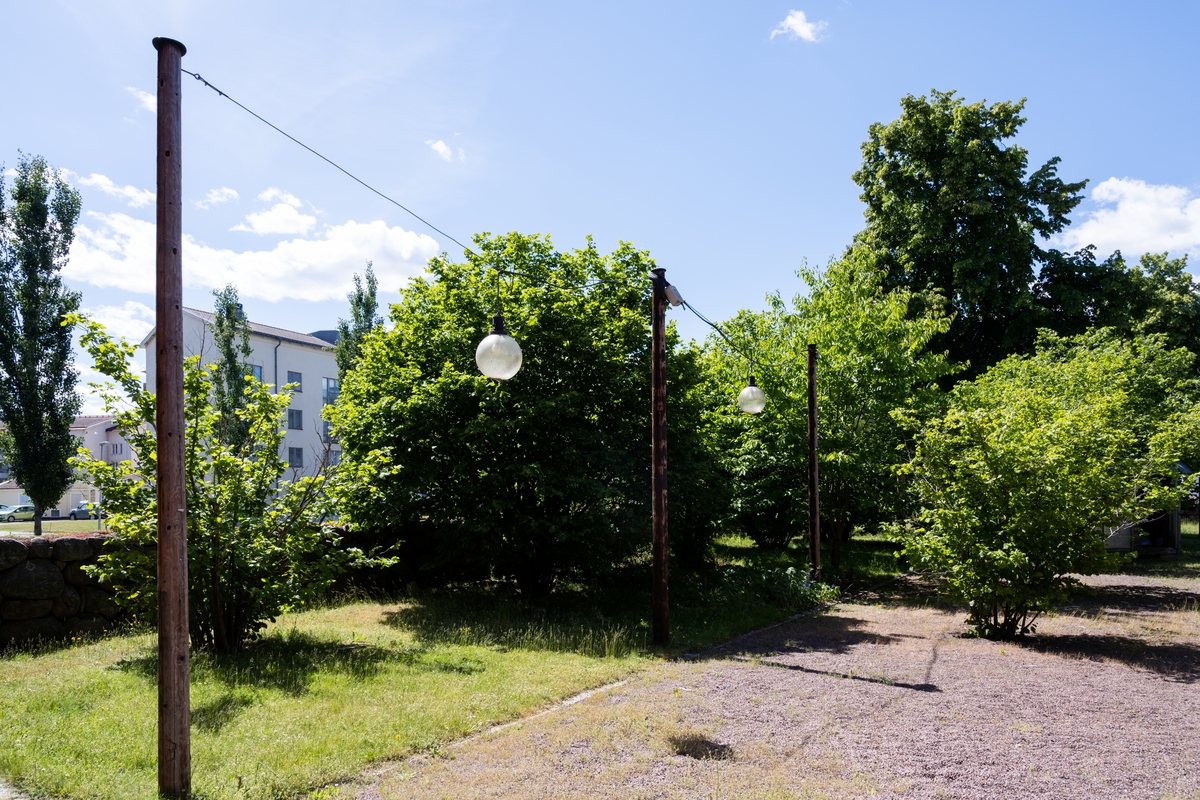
1034	458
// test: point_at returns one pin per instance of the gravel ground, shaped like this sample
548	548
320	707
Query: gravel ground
882	699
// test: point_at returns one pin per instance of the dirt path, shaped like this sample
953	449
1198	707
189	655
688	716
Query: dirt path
882	701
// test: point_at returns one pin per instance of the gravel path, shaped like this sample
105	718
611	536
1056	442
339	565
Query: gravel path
881	700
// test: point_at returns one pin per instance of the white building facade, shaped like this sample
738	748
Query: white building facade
99	434
277	357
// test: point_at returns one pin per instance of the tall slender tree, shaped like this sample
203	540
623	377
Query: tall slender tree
364	317
231	339
38	400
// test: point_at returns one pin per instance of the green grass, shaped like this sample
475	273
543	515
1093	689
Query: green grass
50	526
1184	565
321	695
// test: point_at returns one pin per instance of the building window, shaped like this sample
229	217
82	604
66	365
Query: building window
295	419
329	391
296	378
332	457
256	371
296	457
118	449
326	431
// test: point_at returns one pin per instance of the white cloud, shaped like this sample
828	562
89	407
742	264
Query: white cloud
148	101
462	155
796	25
441	148
116	250
132	321
136	197
217	196
1136	217
279	218
279	194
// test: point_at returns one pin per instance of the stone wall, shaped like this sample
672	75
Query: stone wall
44	591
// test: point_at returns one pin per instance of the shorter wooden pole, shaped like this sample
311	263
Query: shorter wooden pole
814	489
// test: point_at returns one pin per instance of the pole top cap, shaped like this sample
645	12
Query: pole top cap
159	41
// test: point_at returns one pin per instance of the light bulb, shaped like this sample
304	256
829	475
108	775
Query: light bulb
752	399
498	355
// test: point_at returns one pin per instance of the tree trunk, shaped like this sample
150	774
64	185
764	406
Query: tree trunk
37	519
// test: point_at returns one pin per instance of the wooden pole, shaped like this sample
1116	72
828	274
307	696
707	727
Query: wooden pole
814	489
174	697
658	433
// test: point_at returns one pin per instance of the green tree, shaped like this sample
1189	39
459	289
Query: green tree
38	400
364	318
873	366
541	478
231	340
957	217
257	545
1036	457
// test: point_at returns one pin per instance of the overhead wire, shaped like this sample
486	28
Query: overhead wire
545	281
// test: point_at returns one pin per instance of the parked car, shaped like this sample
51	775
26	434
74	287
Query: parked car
19	512
4	510
85	511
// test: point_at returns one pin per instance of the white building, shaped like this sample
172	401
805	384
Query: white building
278	357
104	442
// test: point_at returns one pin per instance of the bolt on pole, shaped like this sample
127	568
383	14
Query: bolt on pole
174	696
814	489
658	434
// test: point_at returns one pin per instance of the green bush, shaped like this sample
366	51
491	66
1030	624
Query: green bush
256	543
1032	461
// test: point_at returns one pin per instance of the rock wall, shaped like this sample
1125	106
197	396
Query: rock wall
44	591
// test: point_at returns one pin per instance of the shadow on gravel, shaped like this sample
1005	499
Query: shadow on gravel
849	676
1177	662
822	633
1136	597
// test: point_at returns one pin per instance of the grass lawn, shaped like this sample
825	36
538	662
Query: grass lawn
49	526
327	691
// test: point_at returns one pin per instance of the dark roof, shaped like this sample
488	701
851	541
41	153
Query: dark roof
327	336
269	331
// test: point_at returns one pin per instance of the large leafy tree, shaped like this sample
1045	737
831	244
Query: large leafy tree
364	318
957	216
873	373
1032	461
540	478
38	400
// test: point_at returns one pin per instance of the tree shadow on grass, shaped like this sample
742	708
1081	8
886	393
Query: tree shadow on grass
289	661
504	624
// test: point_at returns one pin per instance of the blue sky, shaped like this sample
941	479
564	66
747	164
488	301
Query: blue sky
719	136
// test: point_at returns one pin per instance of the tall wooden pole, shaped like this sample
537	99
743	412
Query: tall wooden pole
658	433
174	696
814	489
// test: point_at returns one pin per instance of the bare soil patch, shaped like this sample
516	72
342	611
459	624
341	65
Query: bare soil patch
883	700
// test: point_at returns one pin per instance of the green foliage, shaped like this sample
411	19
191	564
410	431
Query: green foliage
231	341
256	543
364	318
1036	457
872	366
956	217
38	401
541	478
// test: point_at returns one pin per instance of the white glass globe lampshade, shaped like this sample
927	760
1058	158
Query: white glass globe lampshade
498	355
752	399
